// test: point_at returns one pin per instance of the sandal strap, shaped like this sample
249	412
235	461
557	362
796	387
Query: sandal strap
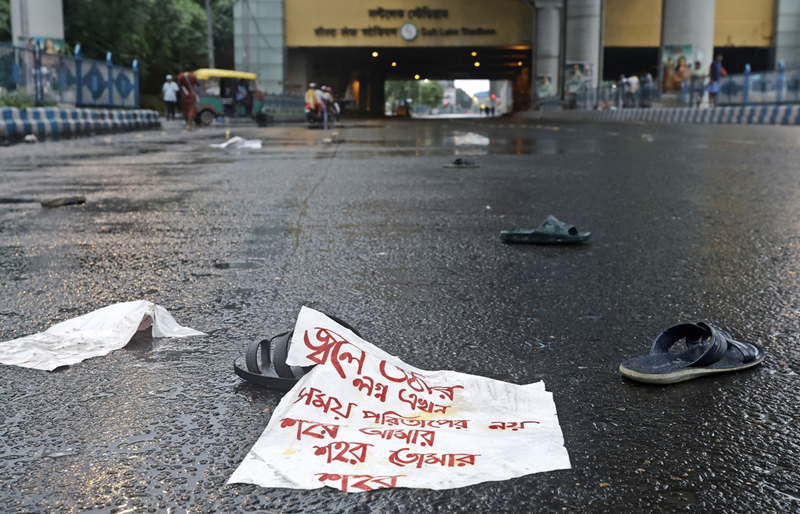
693	333
278	360
716	348
276	354
251	355
748	351
281	351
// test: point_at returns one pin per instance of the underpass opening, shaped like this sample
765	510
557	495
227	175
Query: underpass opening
425	98
357	47
359	75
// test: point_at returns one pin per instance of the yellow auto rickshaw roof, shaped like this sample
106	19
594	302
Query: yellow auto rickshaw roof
206	73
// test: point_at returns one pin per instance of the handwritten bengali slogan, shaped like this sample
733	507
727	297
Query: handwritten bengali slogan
363	419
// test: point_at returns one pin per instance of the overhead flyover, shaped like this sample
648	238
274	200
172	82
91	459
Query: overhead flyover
357	46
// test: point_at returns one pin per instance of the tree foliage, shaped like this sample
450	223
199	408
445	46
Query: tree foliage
463	99
399	90
432	94
163	35
5	21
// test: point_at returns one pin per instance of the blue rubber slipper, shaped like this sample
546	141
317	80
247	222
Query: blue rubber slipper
708	351
550	232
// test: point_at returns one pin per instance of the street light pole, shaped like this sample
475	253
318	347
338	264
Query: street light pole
210	35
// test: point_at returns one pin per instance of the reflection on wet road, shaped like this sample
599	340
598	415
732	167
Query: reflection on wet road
689	223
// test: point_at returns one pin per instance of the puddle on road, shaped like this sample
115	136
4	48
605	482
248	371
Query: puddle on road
458	143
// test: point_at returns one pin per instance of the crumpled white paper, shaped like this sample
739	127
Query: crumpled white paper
238	142
91	335
363	420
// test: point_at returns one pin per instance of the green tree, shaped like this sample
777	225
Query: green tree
5	21
463	99
399	90
163	35
432	94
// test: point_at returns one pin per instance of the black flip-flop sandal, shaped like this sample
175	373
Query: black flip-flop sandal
272	370
708	351
461	163
550	232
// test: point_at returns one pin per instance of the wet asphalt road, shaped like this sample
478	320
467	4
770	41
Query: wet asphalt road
689	223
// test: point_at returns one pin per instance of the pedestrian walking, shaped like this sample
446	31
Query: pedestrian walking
633	91
698	83
188	84
648	87
622	91
715	74
169	94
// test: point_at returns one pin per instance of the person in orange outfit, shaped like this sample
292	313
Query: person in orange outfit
188	83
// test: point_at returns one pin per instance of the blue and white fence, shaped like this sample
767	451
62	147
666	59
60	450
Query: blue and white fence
67	80
51	121
768	87
768	114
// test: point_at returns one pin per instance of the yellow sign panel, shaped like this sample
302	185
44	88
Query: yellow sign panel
637	23
743	23
371	23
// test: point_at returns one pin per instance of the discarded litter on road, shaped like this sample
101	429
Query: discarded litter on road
461	163
94	334
363	419
550	232
708	351
62	201
238	143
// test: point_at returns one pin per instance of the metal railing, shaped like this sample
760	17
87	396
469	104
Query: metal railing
276	103
768	87
609	94
781	86
54	79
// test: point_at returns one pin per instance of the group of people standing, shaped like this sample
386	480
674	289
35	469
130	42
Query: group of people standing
183	89
678	76
638	91
635	91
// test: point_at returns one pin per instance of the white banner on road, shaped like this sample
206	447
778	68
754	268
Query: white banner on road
363	419
94	334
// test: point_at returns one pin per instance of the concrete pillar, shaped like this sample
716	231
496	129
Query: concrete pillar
688	22
584	34
548	43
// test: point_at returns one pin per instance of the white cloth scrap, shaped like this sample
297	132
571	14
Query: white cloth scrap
363	420
238	142
91	335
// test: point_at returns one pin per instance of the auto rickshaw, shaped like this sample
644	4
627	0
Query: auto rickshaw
218	96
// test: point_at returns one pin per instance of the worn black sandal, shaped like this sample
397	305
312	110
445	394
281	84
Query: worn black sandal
272	370
708	351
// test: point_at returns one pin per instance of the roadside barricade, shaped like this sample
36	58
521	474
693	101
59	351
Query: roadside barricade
45	122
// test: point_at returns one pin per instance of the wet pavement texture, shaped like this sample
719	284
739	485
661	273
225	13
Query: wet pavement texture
688	222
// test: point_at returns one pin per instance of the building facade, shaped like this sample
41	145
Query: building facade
540	46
